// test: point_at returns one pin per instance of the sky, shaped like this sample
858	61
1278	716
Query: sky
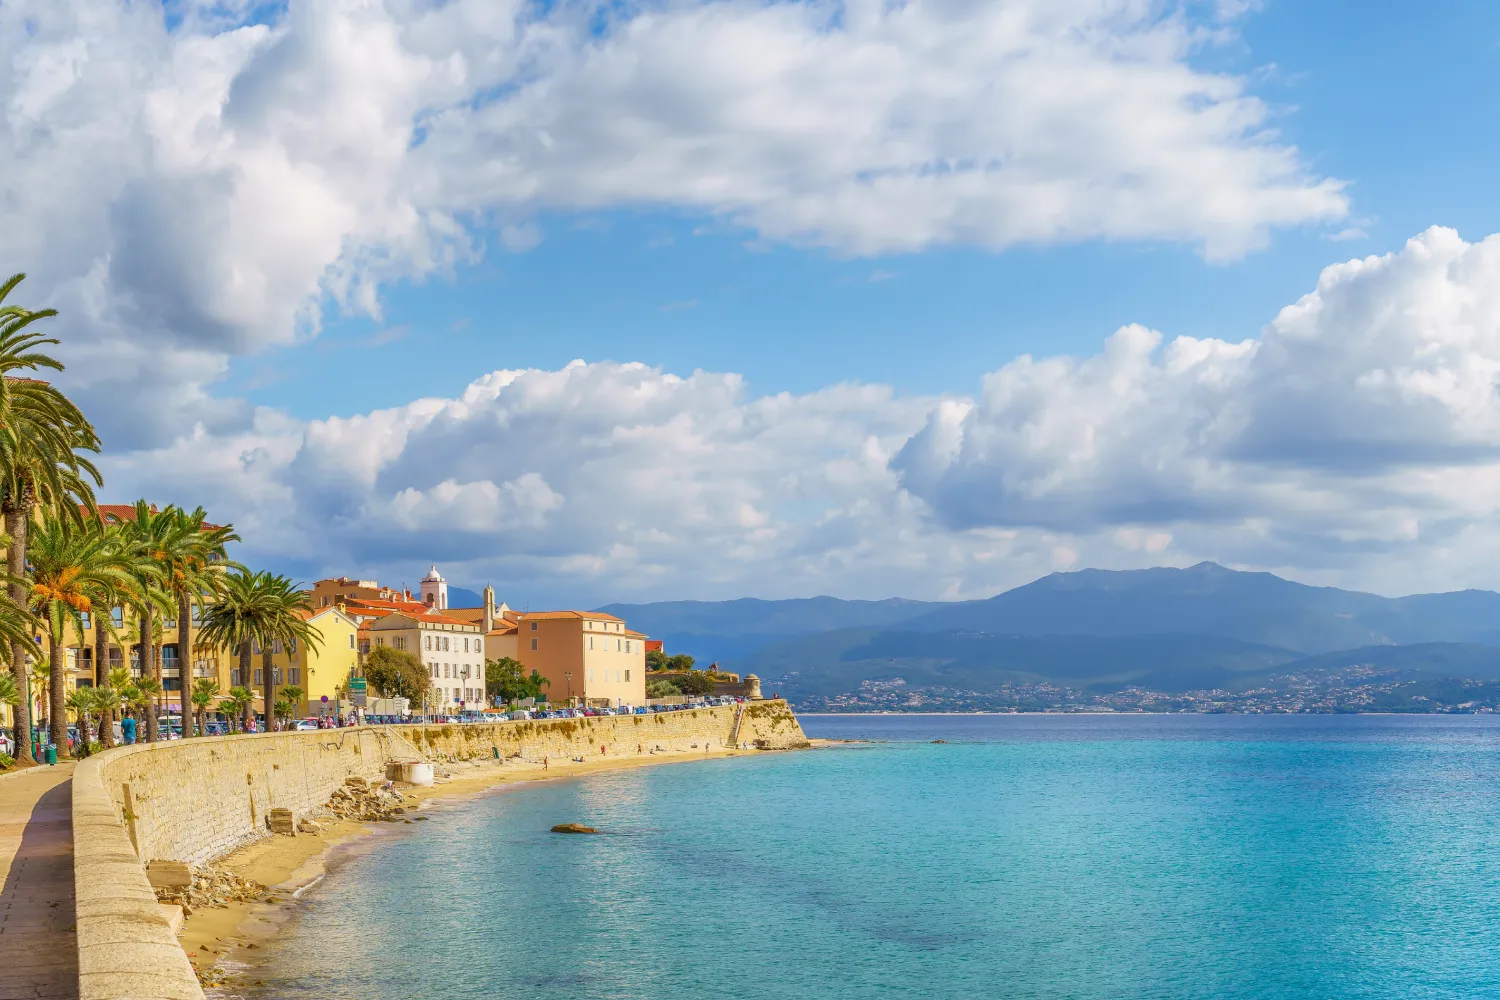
678	299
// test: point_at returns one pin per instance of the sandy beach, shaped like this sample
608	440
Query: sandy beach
221	942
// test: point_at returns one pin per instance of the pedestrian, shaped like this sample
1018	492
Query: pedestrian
127	729
545	763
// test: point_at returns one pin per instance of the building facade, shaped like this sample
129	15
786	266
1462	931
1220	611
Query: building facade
452	650
586	656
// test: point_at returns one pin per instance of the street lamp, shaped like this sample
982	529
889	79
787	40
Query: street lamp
568	676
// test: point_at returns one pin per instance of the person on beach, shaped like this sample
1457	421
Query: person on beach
544	763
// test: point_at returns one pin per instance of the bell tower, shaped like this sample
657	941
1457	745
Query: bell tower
435	590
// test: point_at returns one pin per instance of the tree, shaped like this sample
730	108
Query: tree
124	688
283	618
506	679
662	689
106	702
205	691
293	694
230	622
41	435
153	541
681	661
194	569
656	659
81	702
9	693
144	694
239	703
695	682
396	673
71	564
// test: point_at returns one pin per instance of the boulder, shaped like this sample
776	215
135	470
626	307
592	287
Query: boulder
306	825
169	874
281	821
573	828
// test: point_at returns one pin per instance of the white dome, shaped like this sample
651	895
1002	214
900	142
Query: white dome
433	576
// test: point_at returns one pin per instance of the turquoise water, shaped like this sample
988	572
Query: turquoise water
1029	857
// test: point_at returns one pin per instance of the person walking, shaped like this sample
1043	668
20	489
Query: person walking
127	729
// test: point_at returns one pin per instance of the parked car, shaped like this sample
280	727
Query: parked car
7	745
304	725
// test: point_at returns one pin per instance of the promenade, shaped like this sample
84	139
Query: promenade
38	951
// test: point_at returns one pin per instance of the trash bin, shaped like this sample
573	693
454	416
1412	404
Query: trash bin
51	753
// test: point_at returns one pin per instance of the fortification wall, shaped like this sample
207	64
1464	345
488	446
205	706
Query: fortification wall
193	800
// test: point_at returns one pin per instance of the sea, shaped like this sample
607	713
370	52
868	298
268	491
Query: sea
1040	857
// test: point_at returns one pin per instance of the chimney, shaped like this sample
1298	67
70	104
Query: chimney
489	609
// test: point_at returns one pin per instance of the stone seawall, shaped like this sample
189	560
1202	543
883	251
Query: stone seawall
194	800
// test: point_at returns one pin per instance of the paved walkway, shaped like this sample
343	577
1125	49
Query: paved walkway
38	953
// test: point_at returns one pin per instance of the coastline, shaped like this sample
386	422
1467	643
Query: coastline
221	942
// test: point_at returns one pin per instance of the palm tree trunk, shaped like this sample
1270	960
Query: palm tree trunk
268	682
20	660
101	678
245	680
56	711
149	667
184	656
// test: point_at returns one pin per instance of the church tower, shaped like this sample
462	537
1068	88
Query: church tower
435	590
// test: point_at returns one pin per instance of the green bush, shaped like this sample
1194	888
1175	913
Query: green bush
6	760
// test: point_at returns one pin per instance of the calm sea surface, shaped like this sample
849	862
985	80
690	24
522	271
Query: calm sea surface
1084	857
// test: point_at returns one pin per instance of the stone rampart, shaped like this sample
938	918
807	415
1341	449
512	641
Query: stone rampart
193	800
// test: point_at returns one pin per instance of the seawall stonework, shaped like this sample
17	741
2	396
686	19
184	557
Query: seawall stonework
194	800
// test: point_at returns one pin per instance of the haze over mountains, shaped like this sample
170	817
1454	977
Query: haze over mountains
1164	629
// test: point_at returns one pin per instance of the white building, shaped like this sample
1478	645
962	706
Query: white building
435	590
451	649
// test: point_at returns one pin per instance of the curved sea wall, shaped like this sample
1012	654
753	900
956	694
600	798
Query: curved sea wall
193	800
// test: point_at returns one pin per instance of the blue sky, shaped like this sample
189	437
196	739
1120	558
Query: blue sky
921	299
1391	97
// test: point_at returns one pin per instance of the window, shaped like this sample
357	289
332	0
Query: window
591	673
627	645
380	641
398	643
276	646
533	644
591	642
118	614
617	645
533	626
296	673
445	644
627	676
351	640
275	675
445	670
259	673
87	621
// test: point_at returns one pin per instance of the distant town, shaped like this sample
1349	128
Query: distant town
1350	690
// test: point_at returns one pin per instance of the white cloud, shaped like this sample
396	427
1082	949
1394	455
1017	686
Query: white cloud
1355	441
192	188
1358	436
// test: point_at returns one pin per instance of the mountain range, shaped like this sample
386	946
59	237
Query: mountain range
1165	629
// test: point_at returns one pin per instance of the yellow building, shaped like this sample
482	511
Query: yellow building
320	672
585	655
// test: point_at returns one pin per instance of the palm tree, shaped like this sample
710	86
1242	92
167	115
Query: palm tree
70	564
205	690
293	694
107	702
258	609
41	435
153	540
81	702
195	568
41	685
284	620
238	704
9	694
146	692
105	601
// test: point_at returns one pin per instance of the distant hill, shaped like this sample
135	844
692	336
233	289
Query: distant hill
1256	608
729	631
1211	600
836	662
1408	663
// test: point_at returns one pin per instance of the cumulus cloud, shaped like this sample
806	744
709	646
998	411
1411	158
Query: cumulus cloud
189	185
1354	441
1359	433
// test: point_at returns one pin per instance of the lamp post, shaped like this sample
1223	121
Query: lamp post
568	676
